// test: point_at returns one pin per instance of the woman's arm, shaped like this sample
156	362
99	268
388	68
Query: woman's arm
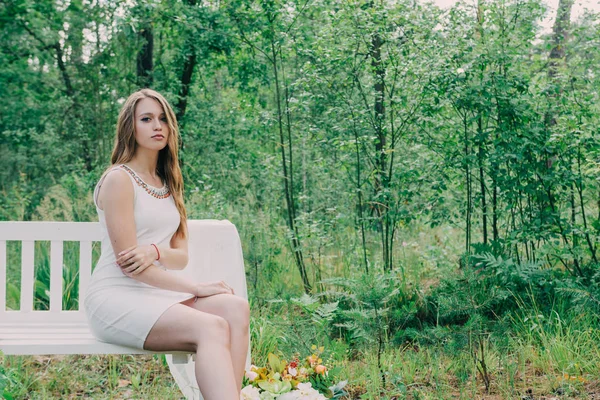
116	198
176	256
157	277
173	257
160	278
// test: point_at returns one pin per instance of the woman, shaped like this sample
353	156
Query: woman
132	298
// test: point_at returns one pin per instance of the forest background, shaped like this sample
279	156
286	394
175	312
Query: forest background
417	189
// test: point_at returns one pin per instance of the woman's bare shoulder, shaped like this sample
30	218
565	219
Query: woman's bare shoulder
116	176
116	186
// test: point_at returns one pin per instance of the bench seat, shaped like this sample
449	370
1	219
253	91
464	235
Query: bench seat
56	338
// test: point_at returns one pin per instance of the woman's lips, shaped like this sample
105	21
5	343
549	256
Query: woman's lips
158	137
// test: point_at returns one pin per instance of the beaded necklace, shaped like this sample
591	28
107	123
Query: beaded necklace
159	193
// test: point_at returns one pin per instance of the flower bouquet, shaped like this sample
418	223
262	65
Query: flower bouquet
293	380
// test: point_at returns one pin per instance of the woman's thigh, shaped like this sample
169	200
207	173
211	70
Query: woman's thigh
232	308
181	328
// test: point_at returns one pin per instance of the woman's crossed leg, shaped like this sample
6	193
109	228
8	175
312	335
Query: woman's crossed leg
184	328
236	311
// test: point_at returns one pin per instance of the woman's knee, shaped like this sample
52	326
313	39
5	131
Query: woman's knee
238	310
213	330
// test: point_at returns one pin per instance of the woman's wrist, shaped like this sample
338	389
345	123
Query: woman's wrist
170	258
196	289
157	251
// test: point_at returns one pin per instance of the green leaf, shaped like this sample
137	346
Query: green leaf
275	363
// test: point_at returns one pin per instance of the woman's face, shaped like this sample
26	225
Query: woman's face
151	127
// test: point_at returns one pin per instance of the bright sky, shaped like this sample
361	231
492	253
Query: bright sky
578	9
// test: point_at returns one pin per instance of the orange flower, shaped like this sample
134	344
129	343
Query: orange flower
313	360
320	369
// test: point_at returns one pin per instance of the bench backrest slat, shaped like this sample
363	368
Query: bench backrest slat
85	267
27	257
42	317
50	230
56	265
57	233
2	277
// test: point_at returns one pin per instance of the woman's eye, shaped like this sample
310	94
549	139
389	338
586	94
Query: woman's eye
146	119
164	119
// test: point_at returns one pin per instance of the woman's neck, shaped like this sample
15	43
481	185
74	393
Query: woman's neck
145	162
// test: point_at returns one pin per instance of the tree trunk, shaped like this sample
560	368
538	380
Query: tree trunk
480	139
63	70
359	206
381	183
468	183
186	74
186	80
560	34
379	108
591	244
556	57
495	208
480	156
288	188
76	26
145	63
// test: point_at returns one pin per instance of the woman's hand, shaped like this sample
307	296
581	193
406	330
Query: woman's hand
206	289
136	259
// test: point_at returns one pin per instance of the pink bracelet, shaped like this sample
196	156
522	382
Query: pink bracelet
157	252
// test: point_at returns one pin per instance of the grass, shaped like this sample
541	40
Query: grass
93	377
434	373
412	373
557	361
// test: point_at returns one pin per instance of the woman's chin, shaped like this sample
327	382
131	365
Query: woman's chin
155	146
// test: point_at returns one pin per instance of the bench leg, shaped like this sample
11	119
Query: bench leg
182	368
180	358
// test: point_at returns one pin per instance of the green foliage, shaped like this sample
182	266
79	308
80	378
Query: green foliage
459	135
320	314
561	335
266	338
398	121
585	296
4	383
364	304
70	276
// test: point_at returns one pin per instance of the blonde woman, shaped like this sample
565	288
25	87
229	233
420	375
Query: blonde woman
132	298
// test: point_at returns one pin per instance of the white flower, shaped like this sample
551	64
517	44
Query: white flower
460	71
267	396
293	395
308	393
292	371
250	393
251	375
304	392
305	386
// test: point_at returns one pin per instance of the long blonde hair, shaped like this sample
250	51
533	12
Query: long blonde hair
168	162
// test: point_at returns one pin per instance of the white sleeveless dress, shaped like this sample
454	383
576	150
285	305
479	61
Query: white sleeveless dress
120	309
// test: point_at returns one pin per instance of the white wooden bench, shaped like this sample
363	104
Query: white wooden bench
214	254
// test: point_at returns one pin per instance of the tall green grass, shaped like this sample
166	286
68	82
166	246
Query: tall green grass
561	341
41	295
